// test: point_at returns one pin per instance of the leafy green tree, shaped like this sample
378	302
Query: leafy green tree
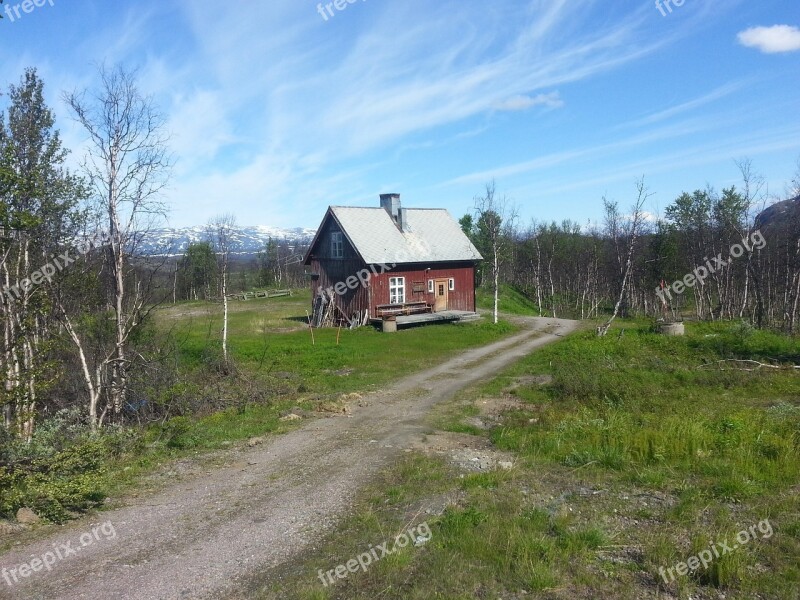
39	217
197	272
269	267
467	225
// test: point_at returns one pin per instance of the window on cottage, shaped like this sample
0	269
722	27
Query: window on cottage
337	245
430	286
451	284
397	290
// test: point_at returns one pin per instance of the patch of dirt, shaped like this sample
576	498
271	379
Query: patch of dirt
182	314
495	408
339	372
529	381
467	452
9	528
284	329
492	411
434	505
343	405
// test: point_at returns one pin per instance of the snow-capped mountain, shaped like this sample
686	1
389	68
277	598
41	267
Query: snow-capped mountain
245	240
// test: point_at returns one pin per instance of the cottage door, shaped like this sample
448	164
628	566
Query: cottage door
441	295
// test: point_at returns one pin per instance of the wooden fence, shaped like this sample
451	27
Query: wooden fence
260	294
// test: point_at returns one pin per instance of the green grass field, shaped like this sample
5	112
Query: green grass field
631	454
271	336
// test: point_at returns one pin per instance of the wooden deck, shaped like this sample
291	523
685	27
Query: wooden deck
438	317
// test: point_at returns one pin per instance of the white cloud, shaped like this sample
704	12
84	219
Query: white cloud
647	216
198	126
771	40
548	161
522	102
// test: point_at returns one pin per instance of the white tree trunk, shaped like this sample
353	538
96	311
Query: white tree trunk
496	281
93	388
225	312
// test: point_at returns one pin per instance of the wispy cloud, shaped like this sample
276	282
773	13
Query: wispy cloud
696	155
199	144
365	92
673	131
771	40
348	96
522	102
689	105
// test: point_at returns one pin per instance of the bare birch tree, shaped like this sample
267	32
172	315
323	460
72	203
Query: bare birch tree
221	230
753	194
127	166
495	222
634	230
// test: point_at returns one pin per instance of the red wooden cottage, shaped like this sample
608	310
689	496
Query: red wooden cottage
374	262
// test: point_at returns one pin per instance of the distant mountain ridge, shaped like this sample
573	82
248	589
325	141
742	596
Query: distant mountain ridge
247	240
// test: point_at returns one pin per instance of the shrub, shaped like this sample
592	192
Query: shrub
177	433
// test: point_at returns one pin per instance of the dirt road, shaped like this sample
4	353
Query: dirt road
205	533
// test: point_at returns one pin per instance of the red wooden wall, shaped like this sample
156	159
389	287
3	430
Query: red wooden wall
460	298
376	292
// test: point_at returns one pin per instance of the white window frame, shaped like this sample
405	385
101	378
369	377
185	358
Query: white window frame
337	244
451	284
430	286
397	290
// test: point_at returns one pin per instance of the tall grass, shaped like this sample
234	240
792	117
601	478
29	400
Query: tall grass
646	403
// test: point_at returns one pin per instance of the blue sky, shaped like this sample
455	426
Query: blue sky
277	111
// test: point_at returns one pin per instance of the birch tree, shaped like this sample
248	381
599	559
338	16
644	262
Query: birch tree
495	219
127	166
619	235
38	200
221	229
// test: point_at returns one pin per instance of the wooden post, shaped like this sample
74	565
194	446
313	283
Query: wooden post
338	333
389	324
311	328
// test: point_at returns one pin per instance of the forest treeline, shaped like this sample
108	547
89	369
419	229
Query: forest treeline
79	345
712	256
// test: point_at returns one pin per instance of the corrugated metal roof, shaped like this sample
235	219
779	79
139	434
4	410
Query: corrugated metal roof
429	235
